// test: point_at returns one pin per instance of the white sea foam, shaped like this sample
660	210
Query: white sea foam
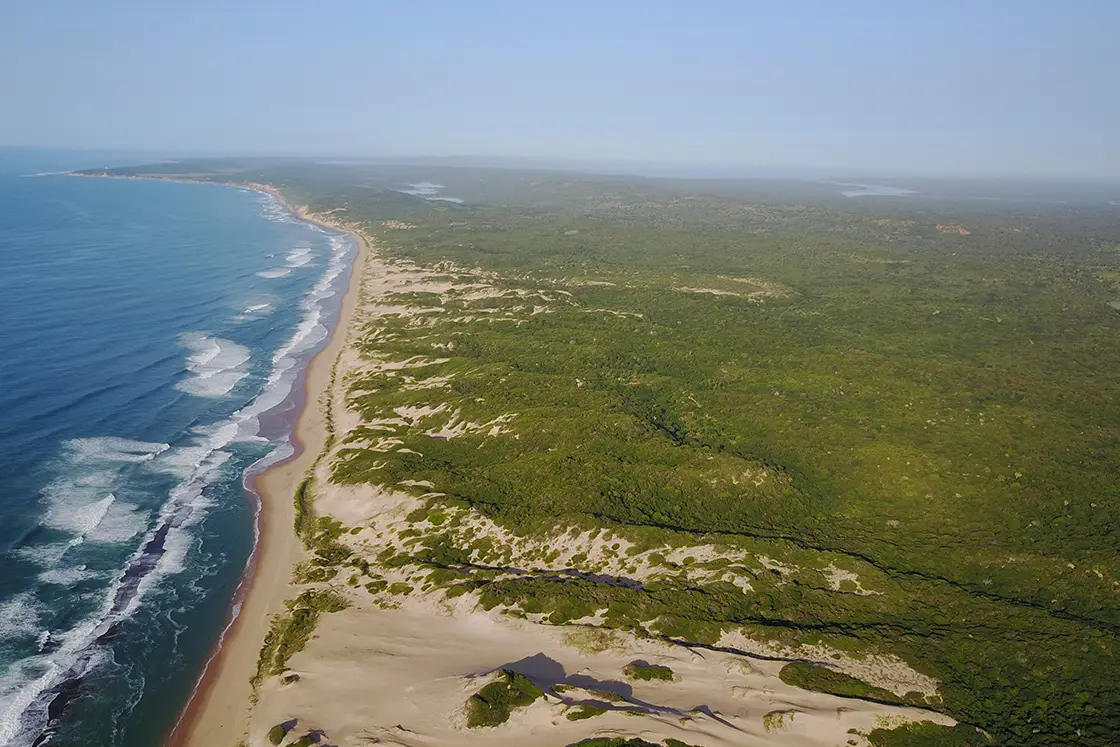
69	513
216	365
279	272
259	308
19	617
65	577
113	449
23	714
119	522
299	256
274	210
82	501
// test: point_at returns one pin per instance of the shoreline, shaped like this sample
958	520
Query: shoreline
221	698
218	705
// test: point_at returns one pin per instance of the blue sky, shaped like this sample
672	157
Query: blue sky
979	87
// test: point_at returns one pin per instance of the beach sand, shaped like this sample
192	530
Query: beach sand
218	712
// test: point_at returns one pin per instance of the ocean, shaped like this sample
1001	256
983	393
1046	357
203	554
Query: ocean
153	336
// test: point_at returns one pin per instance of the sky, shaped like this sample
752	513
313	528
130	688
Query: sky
983	87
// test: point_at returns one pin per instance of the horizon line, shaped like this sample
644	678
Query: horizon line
721	170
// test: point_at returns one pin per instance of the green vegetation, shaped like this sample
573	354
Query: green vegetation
934	415
822	679
288	634
928	734
277	733
776	720
304	515
623	742
579	713
491	705
640	670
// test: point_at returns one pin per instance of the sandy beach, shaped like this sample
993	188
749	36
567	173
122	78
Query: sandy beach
218	711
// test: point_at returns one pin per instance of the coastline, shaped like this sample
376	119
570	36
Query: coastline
431	653
219	703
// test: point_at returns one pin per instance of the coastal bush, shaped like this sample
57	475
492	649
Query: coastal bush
288	634
640	670
822	679
579	713
306	573
304	517
491	705
277	733
624	742
776	720
927	734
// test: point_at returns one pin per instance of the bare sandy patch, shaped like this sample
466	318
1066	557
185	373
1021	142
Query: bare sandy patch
403	677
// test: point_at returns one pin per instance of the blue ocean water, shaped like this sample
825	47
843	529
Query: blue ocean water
152	332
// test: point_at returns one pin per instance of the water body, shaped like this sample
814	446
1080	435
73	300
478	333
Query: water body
429	191
872	190
153	333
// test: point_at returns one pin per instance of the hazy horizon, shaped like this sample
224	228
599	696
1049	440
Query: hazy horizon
1004	90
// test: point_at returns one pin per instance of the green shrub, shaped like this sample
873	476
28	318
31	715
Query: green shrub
288	634
640	670
927	734
824	680
582	712
491	705
277	733
304	518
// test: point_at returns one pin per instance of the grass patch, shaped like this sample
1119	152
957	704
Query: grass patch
491	705
624	742
640	670
824	680
289	633
776	720
277	733
304	516
579	713
927	734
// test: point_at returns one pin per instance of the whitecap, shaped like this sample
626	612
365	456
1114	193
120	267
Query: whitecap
299	256
114	449
71	508
65	577
216	365
277	273
19	617
118	523
84	496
